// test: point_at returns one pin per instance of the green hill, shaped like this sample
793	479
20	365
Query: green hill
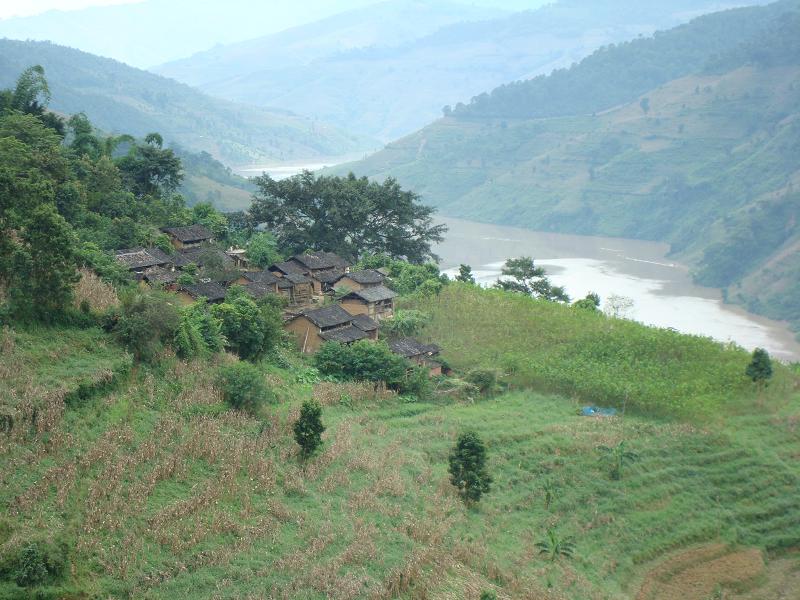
689	137
120	99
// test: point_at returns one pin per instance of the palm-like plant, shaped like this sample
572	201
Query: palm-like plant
555	547
616	458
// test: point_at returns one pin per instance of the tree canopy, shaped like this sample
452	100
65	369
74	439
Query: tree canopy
347	215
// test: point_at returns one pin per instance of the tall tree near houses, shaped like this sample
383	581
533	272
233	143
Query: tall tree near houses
467	467
347	215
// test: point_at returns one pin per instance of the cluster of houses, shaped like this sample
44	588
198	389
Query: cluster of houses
326	300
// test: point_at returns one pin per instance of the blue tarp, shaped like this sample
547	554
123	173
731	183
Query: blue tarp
596	411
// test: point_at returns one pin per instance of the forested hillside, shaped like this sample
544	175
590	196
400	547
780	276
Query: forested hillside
388	69
689	137
121	99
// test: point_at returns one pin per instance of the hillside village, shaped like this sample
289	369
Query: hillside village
324	299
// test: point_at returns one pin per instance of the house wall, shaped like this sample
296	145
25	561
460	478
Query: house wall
305	331
357	307
185	298
302	292
349	284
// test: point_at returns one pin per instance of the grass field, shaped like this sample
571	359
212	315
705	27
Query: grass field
154	489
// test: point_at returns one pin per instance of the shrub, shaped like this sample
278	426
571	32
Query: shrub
250	329
35	563
467	467
145	322
483	379
243	387
308	428
406	323
362	361
199	333
760	367
417	383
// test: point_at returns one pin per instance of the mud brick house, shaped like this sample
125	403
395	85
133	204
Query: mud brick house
297	289
358	280
323	268
212	291
263	278
311	328
188	237
420	354
375	302
160	277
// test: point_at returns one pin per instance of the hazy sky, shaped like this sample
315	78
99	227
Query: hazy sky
20	8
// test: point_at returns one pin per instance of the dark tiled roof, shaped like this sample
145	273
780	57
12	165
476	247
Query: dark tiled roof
366	277
328	316
373	294
258	290
328	277
287	267
410	347
199	254
138	258
296	278
189	234
264	277
211	291
364	323
284	283
344	335
321	260
159	275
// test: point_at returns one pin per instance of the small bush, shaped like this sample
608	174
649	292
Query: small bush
405	323
308	428
362	361
145	322
417	383
243	387
485	380
35	563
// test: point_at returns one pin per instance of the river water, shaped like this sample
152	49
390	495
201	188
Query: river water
662	290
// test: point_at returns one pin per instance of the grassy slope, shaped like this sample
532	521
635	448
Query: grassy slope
160	491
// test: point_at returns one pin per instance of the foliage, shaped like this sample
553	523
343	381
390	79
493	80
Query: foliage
199	332
308	428
349	216
262	250
488	595
484	380
36	563
249	329
555	547
361	361
417	384
151	170
146	321
590	302
405	323
760	367
406	278
467	467
465	274
243	387
524	277
615	458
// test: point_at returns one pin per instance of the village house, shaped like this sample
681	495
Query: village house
297	289
323	268
264	278
375	302
160	277
204	256
239	258
138	260
311	328
358	280
212	291
325	281
189	236
420	354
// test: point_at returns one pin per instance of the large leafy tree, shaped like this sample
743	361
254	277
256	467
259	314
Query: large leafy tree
149	169
347	215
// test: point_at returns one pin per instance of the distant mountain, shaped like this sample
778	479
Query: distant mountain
388	69
151	32
121	99
690	137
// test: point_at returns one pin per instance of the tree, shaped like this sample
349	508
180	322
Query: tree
523	276
308	428
243	387
591	302
760	367
44	266
145	323
347	215
616	458
467	467
361	361
262	250
199	332
150	170
555	547
465	274
405	323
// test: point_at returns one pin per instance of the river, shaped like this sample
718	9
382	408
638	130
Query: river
662	290
282	170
